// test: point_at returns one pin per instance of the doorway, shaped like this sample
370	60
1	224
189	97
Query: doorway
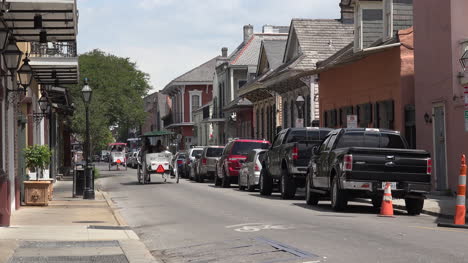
440	151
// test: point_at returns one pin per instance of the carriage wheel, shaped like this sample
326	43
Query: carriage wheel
145	174
109	166
139	174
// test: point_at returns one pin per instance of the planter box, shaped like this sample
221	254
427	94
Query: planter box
37	192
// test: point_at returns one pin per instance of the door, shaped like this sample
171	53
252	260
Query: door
440	153
273	161
21	161
319	177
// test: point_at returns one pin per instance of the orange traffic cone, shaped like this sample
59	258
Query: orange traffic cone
387	204
460	208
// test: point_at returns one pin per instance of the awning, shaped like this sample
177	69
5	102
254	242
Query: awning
59	19
157	133
55	70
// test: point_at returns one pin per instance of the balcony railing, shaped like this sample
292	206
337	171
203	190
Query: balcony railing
53	49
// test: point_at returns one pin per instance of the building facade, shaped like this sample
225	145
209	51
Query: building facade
441	38
187	93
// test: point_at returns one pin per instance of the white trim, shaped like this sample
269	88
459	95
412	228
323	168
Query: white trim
387	23
232	84
199	94
182	96
358	21
434	105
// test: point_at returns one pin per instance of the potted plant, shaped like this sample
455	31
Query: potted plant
37	158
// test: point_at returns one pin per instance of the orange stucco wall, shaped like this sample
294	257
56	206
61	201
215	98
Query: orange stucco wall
386	75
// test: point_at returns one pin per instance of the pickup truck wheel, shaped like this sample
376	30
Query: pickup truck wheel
225	183
377	201
311	198
338	197
266	183
414	206
288	186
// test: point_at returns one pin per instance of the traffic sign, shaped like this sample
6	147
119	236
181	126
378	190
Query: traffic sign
351	121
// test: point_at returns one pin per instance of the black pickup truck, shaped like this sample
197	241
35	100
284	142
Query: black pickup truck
356	163
286	161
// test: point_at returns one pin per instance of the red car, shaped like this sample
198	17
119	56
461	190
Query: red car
234	154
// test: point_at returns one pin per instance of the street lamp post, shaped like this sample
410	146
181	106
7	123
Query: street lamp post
89	180
300	118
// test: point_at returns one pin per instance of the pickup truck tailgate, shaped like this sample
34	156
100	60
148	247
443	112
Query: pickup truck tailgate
389	164
304	152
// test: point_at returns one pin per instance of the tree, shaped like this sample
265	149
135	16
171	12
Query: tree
117	99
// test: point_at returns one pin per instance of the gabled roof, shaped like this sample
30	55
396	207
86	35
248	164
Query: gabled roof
202	75
318	39
246	54
274	50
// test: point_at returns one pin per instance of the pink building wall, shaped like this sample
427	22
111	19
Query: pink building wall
439	26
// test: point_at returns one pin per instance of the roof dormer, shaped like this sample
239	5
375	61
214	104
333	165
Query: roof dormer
368	26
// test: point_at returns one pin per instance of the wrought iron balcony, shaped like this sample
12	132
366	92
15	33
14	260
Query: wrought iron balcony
53	49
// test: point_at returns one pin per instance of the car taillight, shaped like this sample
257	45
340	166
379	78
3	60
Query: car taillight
348	162
257	168
180	162
295	153
429	166
203	161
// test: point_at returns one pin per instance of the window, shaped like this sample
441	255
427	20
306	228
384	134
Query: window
241	83
285	115
368	17
214	152
292	114
243	148
388	19
195	102
308	112
278	139
331	142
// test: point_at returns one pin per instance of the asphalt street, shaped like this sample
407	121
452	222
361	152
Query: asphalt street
193	222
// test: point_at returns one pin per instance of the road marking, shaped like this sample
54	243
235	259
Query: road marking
439	229
255	227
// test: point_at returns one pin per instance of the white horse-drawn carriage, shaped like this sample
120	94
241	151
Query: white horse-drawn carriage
155	159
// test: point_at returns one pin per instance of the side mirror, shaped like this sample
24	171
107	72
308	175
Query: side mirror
315	150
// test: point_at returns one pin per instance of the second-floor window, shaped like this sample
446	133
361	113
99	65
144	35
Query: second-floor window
369	23
195	102
388	19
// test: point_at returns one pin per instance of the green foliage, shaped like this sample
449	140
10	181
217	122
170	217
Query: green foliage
117	100
37	156
97	173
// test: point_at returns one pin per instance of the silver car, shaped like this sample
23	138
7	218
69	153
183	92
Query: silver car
206	163
249	174
190	161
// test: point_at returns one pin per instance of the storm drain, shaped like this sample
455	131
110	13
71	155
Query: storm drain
68	244
68	259
109	227
258	250
69	251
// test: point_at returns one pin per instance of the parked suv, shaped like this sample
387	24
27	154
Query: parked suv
235	152
206	163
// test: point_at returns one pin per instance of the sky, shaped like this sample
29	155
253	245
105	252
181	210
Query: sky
167	38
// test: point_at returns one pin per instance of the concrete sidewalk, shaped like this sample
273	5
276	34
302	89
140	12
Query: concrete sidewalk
71	230
439	206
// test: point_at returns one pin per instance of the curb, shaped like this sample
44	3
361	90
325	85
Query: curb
134	249
120	220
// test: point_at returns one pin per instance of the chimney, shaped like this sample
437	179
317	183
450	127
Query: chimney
248	32
224	52
268	29
347	12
